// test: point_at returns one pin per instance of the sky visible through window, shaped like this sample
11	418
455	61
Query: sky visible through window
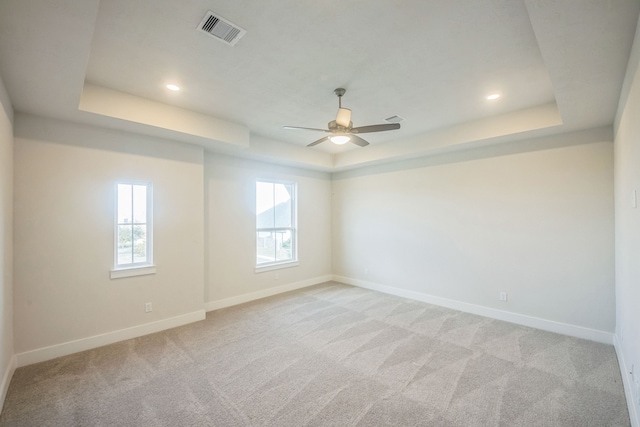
265	197
125	211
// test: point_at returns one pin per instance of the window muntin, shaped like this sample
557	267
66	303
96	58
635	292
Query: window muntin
275	223
133	246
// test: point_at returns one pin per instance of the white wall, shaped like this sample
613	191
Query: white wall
230	193
627	232
64	234
6	242
538	225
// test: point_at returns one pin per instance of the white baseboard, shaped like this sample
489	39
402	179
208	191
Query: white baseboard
507	316
6	380
240	299
626	380
64	349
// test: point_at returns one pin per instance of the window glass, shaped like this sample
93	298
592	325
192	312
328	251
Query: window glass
124	203
125	243
275	223
133	225
139	204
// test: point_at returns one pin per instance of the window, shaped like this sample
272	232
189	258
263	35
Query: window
133	235
276	239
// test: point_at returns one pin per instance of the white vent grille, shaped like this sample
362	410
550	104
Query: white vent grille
395	119
223	30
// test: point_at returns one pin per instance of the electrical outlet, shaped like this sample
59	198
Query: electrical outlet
148	307
277	276
366	271
503	296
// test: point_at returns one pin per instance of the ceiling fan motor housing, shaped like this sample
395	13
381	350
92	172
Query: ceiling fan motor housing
335	127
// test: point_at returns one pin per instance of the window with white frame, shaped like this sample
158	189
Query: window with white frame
134	232
276	234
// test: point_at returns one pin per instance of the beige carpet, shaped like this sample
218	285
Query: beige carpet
329	355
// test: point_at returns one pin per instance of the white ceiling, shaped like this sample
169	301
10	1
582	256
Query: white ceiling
559	65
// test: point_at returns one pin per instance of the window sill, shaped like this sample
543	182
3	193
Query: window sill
272	267
134	271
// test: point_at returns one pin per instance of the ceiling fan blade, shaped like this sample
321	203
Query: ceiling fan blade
326	138
358	141
376	128
300	128
344	117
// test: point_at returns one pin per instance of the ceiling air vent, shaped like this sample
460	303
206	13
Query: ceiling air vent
223	30
395	119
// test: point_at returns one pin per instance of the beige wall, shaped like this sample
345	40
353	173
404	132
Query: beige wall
64	234
64	188
6	241
230	201
627	232
538	225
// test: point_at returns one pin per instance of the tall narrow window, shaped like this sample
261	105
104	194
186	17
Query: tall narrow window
133	225
276	237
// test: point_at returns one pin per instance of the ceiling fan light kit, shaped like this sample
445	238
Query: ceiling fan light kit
340	139
342	130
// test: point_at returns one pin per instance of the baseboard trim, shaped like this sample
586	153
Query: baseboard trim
507	316
241	299
70	347
626	381
6	380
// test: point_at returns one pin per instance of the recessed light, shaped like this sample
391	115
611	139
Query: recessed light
493	96
172	87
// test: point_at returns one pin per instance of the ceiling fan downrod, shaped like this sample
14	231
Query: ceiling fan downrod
340	91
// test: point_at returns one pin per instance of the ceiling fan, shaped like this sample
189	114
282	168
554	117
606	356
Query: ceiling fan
342	130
